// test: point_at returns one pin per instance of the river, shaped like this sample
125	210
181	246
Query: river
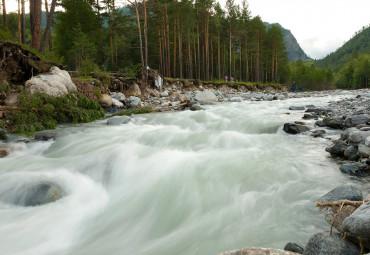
172	183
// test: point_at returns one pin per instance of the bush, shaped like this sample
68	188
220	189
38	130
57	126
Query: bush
40	111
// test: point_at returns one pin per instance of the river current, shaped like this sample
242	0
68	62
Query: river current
185	182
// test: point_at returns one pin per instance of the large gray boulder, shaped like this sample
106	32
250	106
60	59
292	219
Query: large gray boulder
292	128
358	223
118	120
206	96
345	192
55	83
336	219
337	149
324	244
46	135
354	120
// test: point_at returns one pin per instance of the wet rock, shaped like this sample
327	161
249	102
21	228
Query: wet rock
291	128
236	99
318	133
310	106
132	102
351	153
105	101
320	123
345	192
113	109
196	107
337	149
134	90
164	93
324	244
46	135
294	248
356	168
307	116
119	120
2	134
358	137
367	141
206	96
358	223
55	83
259	251
363	151
5	150
40	194
296	108
354	120
334	122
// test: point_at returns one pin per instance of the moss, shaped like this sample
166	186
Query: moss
40	111
187	83
129	112
171	80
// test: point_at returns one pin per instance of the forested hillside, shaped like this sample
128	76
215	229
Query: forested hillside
293	48
358	44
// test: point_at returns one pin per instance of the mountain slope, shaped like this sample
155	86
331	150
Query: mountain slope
359	43
294	50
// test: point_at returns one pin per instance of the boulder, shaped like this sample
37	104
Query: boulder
363	151
294	248
55	83
356	168
105	101
236	99
337	149
117	103
296	108
367	141
351	153
196	107
46	135
39	194
358	137
133	102
259	251
2	134
318	133
5	150
358	223
118	120
134	90
334	122
324	244
320	123
291	128
206	96
354	120
118	96
345	192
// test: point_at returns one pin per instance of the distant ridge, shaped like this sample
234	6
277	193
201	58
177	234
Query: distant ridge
293	48
360	43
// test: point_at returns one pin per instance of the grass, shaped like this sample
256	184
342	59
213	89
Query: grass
129	112
40	111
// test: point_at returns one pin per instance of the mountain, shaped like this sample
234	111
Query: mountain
359	43
295	51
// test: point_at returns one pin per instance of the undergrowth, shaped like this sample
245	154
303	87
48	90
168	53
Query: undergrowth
129	112
40	111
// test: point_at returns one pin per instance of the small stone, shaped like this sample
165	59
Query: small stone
363	151
46	135
351	153
164	93
294	248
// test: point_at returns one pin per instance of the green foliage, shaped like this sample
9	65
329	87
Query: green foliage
88	67
132	71
2	123
40	111
129	112
355	73
4	87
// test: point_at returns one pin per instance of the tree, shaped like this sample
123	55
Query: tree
46	35
35	16
5	23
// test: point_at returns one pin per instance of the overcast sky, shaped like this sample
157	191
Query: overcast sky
320	26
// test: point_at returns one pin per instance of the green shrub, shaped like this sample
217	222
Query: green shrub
40	111
4	87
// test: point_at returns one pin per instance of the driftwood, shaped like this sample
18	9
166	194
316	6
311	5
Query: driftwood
171	106
340	203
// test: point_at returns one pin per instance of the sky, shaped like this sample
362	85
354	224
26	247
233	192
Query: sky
320	26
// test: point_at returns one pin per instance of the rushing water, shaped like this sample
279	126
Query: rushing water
172	183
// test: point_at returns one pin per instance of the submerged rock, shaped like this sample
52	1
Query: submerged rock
356	168
296	108
291	128
324	244
119	120
5	150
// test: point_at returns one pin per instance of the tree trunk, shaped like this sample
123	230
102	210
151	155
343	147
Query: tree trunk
19	23
240	59
230	53
35	17
174	47
46	35
47	14
198	35
218	57
5	22
23	23
168	42
145	36
190	76
139	30
246	63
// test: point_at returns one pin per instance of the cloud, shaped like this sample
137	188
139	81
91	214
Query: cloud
317	47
